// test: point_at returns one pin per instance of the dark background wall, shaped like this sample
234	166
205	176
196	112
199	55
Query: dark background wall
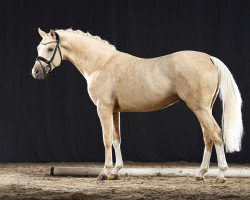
55	120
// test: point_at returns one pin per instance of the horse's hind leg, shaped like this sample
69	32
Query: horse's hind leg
206	156
116	144
212	132
207	150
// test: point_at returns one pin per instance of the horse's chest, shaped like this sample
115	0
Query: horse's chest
99	89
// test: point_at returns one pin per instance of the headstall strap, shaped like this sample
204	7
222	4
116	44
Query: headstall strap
48	62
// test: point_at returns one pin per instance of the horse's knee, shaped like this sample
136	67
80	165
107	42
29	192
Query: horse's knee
107	144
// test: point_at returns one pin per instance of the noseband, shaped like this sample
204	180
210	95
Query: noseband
48	62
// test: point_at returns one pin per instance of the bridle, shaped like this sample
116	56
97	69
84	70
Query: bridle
49	62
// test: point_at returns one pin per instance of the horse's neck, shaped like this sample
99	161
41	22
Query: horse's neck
87	54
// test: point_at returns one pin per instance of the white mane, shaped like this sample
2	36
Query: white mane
87	35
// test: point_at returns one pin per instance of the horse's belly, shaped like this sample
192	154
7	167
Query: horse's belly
145	104
133	106
145	100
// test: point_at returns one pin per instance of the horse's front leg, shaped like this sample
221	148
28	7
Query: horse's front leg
106	117
116	144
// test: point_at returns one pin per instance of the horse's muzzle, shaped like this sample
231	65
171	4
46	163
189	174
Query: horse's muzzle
38	73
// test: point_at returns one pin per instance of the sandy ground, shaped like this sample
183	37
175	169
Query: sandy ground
32	181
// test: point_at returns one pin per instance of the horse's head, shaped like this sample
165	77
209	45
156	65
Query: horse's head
49	54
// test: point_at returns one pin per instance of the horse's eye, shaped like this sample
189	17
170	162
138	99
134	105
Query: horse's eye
50	49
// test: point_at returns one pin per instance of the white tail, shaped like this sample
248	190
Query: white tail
232	125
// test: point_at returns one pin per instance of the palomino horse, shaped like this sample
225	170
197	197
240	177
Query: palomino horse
119	82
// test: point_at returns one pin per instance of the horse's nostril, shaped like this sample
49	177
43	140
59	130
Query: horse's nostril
36	71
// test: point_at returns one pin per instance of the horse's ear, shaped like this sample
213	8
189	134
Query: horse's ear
52	33
41	33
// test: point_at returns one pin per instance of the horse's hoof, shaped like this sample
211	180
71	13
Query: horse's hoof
220	180
102	177
112	177
199	178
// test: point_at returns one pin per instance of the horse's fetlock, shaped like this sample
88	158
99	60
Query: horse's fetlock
119	166
108	166
223	168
